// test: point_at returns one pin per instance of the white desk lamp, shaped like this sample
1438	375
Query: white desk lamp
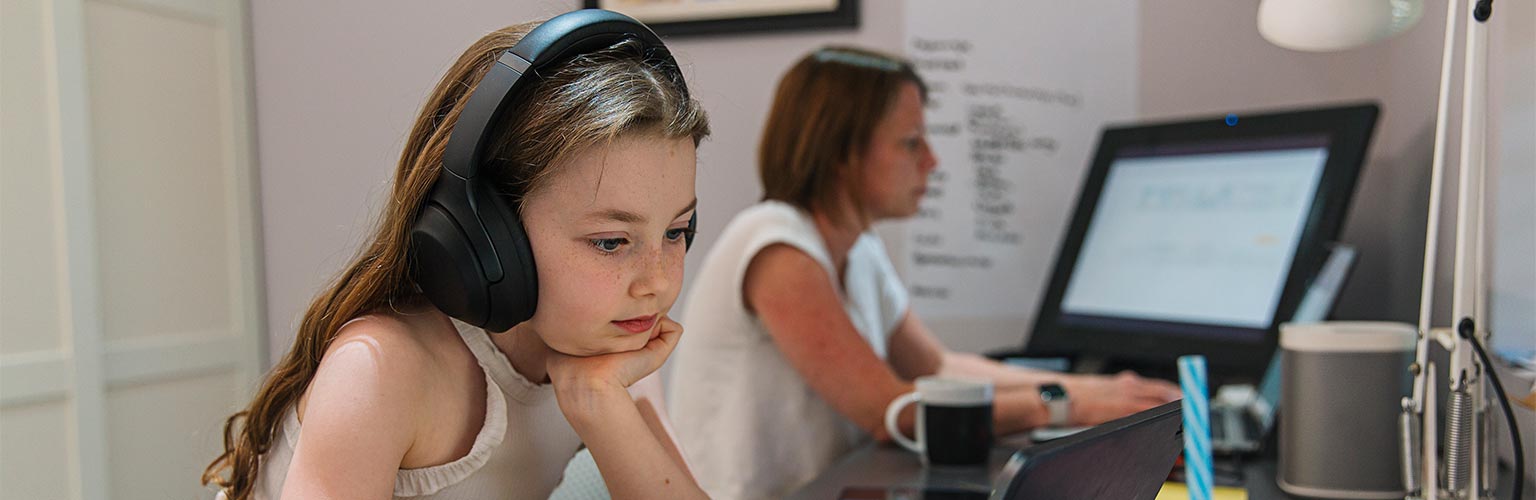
1297	24
1330	25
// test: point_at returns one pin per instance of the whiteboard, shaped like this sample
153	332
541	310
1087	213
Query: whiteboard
1018	92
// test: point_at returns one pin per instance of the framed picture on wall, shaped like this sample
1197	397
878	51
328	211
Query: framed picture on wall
710	17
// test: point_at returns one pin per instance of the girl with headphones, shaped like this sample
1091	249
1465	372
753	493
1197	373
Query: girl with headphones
518	283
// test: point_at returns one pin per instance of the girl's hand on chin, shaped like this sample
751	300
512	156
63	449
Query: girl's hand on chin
616	371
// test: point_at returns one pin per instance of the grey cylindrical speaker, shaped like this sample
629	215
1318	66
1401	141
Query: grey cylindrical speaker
1341	389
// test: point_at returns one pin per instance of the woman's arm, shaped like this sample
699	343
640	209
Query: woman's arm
592	392
361	415
798	304
1016	406
1095	398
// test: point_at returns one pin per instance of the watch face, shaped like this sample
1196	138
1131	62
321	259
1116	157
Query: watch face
1052	392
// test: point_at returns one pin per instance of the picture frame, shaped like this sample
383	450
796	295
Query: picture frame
724	17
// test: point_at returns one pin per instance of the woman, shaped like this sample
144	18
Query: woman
802	332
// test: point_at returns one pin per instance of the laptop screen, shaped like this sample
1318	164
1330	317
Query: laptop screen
1201	234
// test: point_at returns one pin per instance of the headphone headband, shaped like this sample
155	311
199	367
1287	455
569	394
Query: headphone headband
557	40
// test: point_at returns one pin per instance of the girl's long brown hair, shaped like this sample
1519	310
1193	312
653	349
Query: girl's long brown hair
590	100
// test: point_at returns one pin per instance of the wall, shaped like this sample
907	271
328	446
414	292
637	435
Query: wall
130	295
1222	63
336	92
1512	174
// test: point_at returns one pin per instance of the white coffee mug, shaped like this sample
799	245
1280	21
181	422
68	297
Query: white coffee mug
954	420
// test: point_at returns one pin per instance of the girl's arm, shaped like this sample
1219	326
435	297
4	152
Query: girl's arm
651	401
360	415
592	393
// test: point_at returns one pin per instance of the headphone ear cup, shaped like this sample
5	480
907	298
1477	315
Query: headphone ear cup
693	228
443	264
514	299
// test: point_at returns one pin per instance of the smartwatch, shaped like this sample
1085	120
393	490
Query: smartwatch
1055	398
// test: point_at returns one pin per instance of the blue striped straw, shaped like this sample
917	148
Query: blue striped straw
1197	427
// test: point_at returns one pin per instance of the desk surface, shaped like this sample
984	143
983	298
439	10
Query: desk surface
890	465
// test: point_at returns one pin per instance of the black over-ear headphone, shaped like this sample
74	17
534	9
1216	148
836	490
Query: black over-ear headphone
470	254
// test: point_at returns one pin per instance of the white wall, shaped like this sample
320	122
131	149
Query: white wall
337	89
336	92
130	316
1222	63
1512	170
734	77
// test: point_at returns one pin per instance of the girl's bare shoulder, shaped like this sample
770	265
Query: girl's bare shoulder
392	359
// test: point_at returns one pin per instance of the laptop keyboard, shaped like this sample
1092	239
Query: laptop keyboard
1233	430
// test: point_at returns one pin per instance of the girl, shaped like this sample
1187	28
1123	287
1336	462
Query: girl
383	394
804	336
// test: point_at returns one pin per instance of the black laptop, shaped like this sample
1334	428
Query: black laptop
1125	459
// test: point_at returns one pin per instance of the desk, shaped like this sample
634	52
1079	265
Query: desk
891	465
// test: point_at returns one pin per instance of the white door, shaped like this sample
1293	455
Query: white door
130	313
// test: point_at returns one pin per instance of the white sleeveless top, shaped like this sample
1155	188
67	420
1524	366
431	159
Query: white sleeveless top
749	424
521	450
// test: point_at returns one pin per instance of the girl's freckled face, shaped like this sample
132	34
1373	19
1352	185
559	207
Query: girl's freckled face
607	229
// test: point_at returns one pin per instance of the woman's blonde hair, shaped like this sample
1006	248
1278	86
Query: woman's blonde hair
591	100
823	115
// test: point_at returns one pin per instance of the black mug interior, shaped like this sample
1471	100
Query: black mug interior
956	434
